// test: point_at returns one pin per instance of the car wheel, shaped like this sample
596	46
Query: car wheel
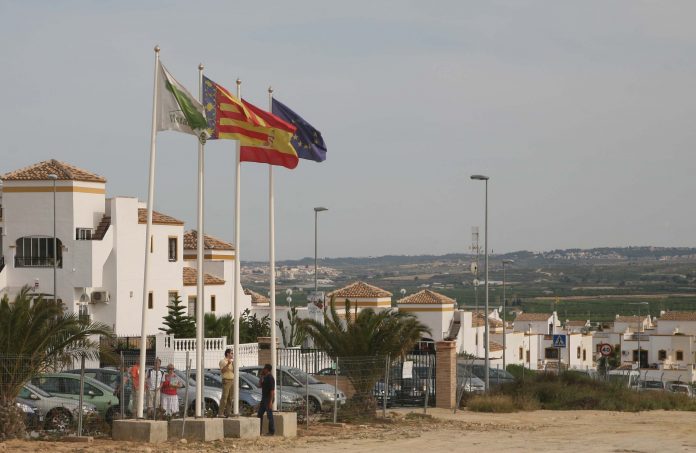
314	406
58	419
210	409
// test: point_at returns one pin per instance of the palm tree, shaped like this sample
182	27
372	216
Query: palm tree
37	335
361	337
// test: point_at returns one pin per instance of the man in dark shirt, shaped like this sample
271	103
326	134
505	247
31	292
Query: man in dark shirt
267	395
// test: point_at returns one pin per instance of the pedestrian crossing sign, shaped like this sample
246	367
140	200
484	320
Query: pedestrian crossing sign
559	341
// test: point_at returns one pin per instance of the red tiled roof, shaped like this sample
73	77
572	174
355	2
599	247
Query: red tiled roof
427	297
576	323
478	320
157	218
679	316
533	317
191	276
40	172
256	298
629	318
209	242
495	346
360	290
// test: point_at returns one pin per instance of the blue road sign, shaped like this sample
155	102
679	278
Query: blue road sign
559	341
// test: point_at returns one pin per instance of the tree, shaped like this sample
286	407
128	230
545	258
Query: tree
293	334
179	324
38	335
367	334
250	328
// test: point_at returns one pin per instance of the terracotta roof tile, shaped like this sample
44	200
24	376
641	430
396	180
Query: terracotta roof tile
157	218
427	297
40	172
209	242
478	320
533	317
679	316
576	323
191	275
256	298
495	346
360	290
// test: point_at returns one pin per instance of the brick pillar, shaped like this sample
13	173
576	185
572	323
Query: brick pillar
446	374
265	350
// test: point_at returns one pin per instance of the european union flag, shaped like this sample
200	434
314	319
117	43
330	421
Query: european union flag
307	141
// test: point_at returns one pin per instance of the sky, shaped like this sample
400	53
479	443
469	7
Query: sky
581	113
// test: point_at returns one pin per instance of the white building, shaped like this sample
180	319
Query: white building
100	250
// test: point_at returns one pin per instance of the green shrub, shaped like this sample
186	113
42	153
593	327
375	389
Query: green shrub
492	403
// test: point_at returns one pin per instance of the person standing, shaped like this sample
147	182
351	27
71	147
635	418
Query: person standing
170	385
267	396
227	374
134	377
155	377
123	390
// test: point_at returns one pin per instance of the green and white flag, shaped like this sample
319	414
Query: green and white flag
177	110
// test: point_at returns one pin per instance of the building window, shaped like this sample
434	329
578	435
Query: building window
37	252
192	306
212	303
173	248
171	297
84	234
521	353
551	353
579	352
150	300
550	329
584	355
661	354
680	355
528	357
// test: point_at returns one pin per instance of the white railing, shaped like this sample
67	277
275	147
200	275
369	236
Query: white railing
173	350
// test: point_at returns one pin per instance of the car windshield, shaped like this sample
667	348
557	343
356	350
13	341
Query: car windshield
250	379
302	376
652	384
38	391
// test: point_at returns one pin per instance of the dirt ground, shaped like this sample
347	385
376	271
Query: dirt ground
462	432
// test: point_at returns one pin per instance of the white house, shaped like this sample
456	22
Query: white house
544	323
100	249
433	309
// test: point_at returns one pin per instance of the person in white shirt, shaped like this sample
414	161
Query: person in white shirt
153	382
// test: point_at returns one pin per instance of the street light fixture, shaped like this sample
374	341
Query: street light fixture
53	178
486	343
317	210
504	309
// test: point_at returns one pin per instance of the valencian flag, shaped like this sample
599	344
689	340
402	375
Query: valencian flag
177	110
263	137
307	141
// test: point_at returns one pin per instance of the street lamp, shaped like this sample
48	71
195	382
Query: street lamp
53	178
288	293
317	210
486	328
504	309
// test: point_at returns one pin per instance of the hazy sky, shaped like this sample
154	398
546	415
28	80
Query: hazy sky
582	113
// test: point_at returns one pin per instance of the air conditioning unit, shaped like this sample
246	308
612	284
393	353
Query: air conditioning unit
100	297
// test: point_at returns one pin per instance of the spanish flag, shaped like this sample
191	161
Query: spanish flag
263	137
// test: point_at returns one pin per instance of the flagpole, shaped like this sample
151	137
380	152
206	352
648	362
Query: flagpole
148	228
200	295
271	258
237	282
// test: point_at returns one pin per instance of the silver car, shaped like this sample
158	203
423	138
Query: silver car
321	396
56	411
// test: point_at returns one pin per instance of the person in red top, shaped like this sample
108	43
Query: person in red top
170	384
134	375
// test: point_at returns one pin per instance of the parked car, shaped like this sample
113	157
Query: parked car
108	376
654	386
467	379
378	390
413	390
32	415
57	412
624	378
321	395
680	387
496	376
67	385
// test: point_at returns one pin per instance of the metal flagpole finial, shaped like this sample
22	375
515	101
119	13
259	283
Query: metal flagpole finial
270	89
157	49
239	81
201	67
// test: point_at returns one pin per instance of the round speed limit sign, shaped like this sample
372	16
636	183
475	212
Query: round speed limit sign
605	349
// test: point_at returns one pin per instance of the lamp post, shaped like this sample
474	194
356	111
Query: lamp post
485	246
53	178
504	309
317	210
288	293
